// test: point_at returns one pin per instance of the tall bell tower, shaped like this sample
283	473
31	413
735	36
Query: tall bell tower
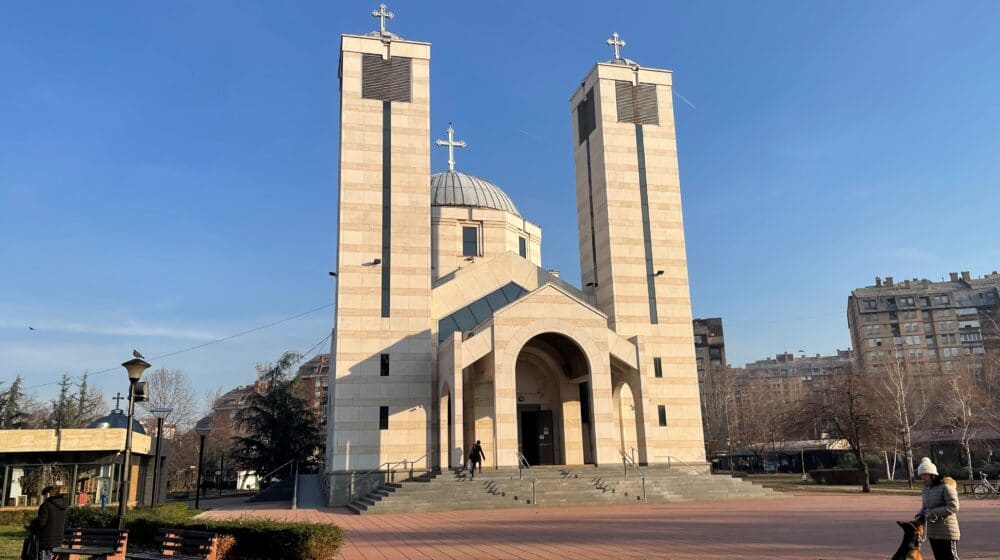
631	230
379	395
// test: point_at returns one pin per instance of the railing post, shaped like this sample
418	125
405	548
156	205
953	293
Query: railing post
411	469
534	500
643	487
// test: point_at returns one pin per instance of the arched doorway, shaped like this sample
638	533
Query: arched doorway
553	401
625	416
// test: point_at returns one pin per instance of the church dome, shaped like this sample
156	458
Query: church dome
117	419
452	188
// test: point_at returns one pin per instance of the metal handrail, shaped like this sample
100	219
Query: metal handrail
629	460
522	463
692	467
411	463
388	469
283	465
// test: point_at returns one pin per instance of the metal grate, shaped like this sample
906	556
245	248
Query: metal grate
636	103
385	80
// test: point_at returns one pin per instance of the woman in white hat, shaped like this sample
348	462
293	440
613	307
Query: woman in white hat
939	511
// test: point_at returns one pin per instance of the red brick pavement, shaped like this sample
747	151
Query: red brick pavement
805	527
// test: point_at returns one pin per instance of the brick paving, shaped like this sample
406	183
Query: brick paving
805	527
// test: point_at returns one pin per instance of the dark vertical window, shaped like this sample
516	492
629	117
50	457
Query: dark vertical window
386	204
383	418
384	372
586	116
470	242
647	235
662	411
657	367
522	247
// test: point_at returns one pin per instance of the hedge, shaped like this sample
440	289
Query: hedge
247	539
842	476
17	516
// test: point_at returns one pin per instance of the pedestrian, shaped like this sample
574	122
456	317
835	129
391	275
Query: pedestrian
939	511
104	499
48	527
476	456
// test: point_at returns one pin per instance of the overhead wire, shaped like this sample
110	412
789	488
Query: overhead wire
204	344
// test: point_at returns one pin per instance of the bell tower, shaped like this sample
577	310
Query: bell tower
380	376
631	230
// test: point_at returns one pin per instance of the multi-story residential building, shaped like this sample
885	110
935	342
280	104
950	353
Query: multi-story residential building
313	379
791	378
927	326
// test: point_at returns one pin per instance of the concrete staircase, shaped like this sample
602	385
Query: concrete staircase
552	486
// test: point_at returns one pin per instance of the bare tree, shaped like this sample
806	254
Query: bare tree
960	398
172	389
763	416
720	408
851	408
905	397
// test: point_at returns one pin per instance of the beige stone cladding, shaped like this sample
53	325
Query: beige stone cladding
367	324
622	263
498	231
77	439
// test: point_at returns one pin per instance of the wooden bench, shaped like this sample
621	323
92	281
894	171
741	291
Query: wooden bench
177	544
108	544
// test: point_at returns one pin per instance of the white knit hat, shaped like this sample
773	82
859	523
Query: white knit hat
926	467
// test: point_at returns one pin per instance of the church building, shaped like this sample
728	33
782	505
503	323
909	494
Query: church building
448	330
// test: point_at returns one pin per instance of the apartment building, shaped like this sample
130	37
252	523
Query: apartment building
927	326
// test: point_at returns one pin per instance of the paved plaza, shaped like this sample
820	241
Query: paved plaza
805	527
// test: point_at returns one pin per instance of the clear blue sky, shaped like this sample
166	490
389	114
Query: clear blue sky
168	171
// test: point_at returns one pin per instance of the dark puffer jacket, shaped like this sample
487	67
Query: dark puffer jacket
51	522
940	506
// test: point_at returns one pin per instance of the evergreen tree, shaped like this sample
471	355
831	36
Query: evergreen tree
278	423
12	415
63	407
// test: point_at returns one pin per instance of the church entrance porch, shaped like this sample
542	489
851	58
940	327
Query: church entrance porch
551	407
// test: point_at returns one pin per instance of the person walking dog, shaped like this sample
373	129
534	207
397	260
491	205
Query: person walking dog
939	511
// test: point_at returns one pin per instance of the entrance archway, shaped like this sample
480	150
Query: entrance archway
553	401
626	420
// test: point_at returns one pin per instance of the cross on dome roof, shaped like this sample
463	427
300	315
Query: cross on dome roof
452	144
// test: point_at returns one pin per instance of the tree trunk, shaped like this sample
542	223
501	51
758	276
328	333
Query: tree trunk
968	459
865	485
908	442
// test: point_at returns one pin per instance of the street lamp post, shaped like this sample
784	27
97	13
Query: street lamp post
160	413
203	427
135	367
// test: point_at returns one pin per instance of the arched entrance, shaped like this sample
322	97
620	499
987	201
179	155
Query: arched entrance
553	401
623	400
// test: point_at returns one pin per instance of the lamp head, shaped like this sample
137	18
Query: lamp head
204	426
135	367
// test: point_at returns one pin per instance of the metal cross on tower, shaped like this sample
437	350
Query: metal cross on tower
452	144
382	14
118	398
616	43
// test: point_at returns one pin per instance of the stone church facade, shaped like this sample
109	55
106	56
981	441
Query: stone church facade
448	330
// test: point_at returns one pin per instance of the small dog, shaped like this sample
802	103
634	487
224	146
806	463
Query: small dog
913	535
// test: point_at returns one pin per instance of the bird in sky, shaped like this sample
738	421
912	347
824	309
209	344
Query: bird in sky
137	354
30	328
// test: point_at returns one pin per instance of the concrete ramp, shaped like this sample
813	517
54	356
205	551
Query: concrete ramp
310	492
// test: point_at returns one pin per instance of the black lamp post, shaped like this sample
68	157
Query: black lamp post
160	413
203	427
135	367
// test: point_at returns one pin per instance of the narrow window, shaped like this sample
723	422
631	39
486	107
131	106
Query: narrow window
384	365
470	242
383	417
657	367
662	410
522	247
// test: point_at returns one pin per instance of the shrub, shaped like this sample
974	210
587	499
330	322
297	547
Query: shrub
842	476
17	516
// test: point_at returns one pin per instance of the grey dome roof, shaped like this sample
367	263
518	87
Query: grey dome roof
452	188
117	419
